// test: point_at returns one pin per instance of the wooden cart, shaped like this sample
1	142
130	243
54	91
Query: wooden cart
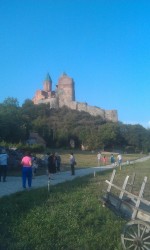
136	209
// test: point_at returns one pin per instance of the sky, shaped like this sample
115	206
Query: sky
104	45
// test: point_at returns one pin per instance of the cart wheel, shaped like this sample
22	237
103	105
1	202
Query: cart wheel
136	235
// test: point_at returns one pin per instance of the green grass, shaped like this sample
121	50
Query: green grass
69	217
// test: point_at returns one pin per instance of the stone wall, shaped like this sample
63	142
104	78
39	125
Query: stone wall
95	111
109	115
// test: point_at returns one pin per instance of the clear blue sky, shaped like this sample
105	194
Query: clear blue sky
104	45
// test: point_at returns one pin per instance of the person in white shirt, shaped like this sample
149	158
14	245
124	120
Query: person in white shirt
72	163
119	158
3	164
98	158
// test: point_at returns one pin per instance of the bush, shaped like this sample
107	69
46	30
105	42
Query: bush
36	148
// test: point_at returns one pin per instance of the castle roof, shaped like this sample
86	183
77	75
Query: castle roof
63	75
48	78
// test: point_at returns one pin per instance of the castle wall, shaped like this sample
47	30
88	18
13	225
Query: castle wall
82	106
95	111
71	105
47	100
111	115
54	103
39	95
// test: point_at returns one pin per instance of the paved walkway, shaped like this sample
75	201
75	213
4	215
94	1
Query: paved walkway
14	184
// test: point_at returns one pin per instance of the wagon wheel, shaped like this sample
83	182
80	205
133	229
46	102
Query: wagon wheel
136	235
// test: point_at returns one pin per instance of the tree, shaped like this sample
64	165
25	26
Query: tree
136	136
11	124
11	102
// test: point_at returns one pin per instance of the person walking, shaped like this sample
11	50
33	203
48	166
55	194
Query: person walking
119	158
34	165
112	159
51	165
45	160
26	163
72	163
98	158
104	160
58	162
3	164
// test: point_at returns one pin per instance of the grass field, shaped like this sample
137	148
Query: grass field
69	217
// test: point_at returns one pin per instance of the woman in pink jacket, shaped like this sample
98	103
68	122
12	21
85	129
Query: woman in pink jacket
26	163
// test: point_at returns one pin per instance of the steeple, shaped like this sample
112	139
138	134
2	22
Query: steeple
48	78
64	74
47	85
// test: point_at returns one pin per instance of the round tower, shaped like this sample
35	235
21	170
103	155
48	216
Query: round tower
65	89
47	85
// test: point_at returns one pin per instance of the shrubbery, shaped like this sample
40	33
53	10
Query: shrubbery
36	148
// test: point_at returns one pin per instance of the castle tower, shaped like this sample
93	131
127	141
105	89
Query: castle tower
47	85
65	90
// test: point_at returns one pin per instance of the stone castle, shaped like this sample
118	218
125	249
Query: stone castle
64	95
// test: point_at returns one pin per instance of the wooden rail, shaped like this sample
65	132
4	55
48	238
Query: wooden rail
123	191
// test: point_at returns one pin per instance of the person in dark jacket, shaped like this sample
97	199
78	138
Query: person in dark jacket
58	162
51	165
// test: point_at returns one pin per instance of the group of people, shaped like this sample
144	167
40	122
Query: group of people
113	161
29	165
101	158
53	163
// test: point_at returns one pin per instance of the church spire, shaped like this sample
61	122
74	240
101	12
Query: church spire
48	78
47	83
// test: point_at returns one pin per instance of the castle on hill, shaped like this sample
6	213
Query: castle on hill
64	95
